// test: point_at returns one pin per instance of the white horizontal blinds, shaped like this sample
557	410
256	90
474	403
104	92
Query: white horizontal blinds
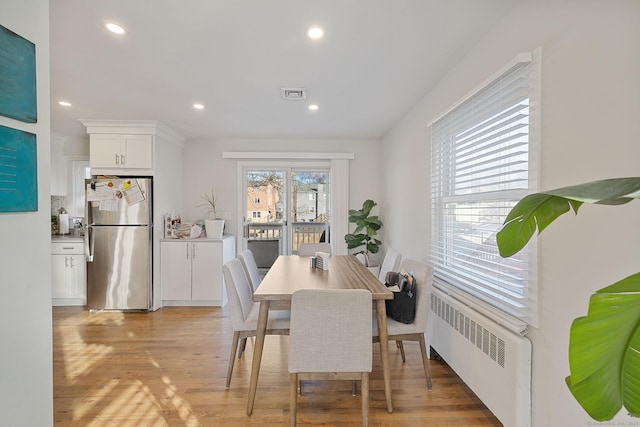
480	169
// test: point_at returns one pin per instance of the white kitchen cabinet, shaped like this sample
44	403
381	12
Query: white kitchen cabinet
69	273
191	270
109	151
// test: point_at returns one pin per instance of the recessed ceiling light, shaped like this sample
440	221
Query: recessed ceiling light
114	28
198	106
64	103
315	32
313	107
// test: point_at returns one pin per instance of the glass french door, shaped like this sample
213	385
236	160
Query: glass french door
309	208
284	207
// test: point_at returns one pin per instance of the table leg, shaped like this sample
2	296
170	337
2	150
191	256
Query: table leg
261	329
381	315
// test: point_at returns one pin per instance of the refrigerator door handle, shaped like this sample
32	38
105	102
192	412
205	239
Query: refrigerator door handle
89	243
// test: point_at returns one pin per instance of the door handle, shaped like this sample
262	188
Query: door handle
89	243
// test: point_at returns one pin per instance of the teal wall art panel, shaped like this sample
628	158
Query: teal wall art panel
18	171
17	77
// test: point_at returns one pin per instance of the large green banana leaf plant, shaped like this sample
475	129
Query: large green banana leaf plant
604	345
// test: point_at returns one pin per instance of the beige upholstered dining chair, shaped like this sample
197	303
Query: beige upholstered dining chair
391	262
330	338
310	249
415	331
244	311
250	267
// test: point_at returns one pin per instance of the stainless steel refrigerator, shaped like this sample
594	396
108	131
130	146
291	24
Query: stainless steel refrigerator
118	243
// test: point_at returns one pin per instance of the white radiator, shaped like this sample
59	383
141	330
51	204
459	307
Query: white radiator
493	361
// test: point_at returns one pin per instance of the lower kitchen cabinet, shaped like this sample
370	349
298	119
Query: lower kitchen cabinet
69	273
191	270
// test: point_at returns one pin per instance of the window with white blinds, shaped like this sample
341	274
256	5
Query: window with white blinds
484	159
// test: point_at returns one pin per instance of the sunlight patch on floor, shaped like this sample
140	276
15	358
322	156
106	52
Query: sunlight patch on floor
79	356
185	412
133	407
105	317
80	410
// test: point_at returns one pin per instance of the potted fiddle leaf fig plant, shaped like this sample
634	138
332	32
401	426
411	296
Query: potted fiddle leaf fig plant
363	238
604	345
213	222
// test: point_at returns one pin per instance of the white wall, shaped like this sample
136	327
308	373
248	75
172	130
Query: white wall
26	397
75	146
590	128
206	169
63	149
58	177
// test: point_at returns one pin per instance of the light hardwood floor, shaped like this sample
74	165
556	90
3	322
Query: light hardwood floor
168	368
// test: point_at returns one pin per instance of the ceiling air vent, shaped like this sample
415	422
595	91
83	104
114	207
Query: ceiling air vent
294	93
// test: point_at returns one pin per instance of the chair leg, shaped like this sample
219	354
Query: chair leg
365	399
232	356
243	345
425	360
293	397
401	347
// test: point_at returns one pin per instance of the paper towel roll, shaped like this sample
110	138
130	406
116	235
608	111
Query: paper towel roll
63	223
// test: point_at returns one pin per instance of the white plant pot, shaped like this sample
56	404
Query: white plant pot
214	228
375	270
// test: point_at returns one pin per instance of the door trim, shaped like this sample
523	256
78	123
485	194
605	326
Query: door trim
259	155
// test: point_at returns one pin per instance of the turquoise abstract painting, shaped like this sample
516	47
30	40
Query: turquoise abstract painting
17	77
18	171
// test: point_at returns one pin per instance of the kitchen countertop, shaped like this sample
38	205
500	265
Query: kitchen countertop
197	239
66	238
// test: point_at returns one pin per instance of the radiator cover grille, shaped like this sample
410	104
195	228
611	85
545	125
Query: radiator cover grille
475	333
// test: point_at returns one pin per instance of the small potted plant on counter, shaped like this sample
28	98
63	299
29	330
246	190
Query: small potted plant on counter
213	223
364	235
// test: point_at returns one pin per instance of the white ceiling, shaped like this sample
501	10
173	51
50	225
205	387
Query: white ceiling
377	59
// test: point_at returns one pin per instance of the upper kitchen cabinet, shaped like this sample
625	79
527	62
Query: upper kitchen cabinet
128	147
121	151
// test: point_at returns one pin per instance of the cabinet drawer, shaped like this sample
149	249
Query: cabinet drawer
67	248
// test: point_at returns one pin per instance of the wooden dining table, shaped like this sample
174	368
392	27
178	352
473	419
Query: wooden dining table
292	272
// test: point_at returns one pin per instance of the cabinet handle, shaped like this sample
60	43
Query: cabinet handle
187	250
117	159
122	159
71	261
66	262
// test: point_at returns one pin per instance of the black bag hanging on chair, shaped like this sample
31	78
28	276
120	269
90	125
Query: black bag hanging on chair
402	307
